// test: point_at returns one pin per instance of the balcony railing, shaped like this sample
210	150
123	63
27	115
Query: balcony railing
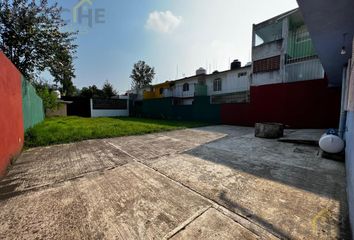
237	97
199	90
167	93
181	94
305	70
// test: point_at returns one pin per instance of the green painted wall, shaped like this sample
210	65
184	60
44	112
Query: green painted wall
206	112
299	42
32	105
201	90
163	108
157	108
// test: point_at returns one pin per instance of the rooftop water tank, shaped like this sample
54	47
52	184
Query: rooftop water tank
201	71
235	64
57	92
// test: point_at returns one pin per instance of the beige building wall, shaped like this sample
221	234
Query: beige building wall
60	111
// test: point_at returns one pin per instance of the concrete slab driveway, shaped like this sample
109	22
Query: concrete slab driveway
208	183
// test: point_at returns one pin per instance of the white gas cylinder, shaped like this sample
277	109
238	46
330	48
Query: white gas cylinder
331	143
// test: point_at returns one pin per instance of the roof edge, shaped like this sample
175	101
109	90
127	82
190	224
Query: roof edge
278	17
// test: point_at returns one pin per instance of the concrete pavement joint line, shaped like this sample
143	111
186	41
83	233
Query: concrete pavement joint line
58	183
241	220
125	152
215	205
75	178
236	217
186	223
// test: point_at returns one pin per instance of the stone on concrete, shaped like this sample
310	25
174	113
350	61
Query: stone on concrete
269	130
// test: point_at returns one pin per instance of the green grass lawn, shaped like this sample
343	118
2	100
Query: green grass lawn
71	129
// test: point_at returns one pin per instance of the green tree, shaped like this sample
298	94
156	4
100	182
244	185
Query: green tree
91	92
85	92
142	75
31	37
108	90
45	91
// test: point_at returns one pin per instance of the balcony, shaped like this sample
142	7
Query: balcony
150	95
236	97
196	91
304	70
181	94
167	93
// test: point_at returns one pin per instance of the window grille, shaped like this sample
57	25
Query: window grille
217	85
185	87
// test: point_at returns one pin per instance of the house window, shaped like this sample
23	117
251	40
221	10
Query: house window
266	65
242	74
161	91
186	87
217	85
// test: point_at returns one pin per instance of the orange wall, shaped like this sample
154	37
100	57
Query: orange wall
11	117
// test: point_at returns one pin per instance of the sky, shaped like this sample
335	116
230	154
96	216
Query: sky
176	37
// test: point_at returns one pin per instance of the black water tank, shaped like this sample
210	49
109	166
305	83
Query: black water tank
235	64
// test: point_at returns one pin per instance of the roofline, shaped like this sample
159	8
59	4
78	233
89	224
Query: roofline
63	101
278	17
163	83
210	74
187	78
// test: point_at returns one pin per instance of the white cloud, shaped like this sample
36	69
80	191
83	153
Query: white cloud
164	22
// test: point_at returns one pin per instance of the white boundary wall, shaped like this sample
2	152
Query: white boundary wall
110	112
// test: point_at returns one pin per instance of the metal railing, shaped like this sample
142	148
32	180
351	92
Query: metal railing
199	90
237	97
167	93
301	60
181	94
300	46
305	70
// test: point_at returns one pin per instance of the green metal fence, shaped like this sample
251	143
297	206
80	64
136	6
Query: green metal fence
165	108
32	105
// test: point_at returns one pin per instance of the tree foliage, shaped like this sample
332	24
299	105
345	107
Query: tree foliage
45	91
142	75
93	91
108	90
31	37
